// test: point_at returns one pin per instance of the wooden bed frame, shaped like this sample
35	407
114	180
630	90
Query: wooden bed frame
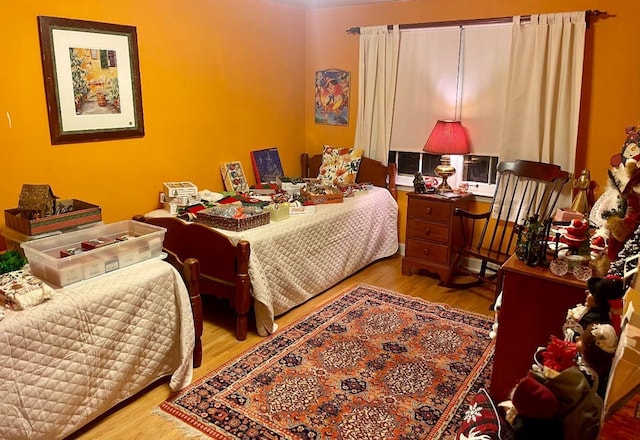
211	265
370	171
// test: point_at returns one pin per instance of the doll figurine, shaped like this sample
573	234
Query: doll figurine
596	348
596	308
580	202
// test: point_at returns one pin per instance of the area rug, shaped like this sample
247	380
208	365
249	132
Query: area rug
371	364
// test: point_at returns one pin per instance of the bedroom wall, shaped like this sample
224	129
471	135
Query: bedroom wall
219	79
611	86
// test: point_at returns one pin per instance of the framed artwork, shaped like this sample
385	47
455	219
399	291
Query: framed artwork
266	165
332	97
92	80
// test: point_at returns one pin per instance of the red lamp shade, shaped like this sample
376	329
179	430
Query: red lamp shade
447	137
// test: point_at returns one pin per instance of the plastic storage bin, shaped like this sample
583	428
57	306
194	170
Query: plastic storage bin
134	242
14	239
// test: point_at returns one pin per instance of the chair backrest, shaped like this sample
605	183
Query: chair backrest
523	189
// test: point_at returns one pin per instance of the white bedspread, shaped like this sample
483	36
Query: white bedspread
68	360
297	258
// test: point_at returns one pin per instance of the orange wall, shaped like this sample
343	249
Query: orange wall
611	97
219	79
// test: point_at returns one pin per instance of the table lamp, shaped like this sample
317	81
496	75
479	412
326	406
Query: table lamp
446	138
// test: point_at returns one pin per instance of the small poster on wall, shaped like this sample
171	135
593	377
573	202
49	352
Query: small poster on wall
332	97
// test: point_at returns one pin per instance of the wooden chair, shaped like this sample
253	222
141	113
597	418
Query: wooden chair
523	189
222	273
370	171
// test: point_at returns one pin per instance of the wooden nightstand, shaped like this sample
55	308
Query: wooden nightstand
432	231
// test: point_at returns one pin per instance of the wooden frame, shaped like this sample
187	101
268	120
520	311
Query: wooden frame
90	98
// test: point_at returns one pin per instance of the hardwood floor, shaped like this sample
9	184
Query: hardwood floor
133	419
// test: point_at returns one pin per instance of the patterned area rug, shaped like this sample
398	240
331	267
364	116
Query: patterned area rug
372	364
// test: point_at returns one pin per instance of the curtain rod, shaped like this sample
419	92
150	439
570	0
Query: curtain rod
496	20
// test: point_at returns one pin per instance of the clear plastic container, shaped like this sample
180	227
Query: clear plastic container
61	259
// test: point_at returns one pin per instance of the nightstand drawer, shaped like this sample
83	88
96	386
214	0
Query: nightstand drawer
436	253
428	231
429	209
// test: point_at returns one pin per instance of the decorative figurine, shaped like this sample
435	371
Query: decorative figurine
418	184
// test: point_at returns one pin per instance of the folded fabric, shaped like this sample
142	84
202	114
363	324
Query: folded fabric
20	290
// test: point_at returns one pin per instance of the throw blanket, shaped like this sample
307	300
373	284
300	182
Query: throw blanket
297	258
68	360
20	290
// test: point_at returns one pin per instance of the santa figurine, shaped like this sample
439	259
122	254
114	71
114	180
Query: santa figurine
576	233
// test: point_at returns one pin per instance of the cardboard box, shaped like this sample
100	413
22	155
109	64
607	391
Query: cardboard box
177	189
81	213
291	185
322	194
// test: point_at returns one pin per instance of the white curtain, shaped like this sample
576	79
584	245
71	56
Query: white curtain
543	90
378	69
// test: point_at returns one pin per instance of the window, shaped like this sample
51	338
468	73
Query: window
479	172
451	73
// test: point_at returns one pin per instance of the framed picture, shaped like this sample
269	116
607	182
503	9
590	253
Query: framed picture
332	97
92	80
266	165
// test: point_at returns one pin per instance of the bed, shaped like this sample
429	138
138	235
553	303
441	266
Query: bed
278	266
96	343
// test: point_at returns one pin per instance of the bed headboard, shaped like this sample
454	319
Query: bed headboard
371	171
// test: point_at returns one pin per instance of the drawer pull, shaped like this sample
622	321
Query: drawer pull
427	231
426	251
428	210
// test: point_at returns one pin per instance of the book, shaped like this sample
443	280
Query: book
266	165
233	177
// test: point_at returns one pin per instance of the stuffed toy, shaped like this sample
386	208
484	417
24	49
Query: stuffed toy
534	412
601	292
596	348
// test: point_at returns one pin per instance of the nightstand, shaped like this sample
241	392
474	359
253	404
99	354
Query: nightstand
432	233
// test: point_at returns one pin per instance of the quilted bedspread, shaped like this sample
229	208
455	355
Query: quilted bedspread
299	257
68	360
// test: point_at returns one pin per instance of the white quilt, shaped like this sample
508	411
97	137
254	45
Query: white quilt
297	258
70	359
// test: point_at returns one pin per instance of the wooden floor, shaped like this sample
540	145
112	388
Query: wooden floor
133	419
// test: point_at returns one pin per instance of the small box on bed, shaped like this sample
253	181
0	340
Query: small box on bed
291	185
320	194
178	189
233	217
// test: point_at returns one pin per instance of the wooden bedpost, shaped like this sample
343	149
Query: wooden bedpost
191	275
243	289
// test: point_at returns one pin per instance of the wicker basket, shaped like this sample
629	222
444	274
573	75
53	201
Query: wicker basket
218	217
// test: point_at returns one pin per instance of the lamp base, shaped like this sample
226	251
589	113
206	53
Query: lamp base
444	187
444	170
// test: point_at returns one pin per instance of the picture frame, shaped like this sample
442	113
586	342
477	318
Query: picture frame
92	80
332	97
267	166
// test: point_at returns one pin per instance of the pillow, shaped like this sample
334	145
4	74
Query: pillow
481	420
340	165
